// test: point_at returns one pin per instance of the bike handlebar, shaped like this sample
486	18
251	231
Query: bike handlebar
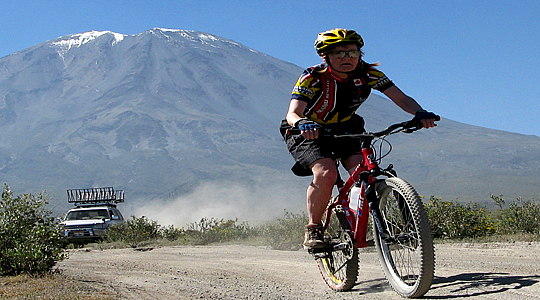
407	127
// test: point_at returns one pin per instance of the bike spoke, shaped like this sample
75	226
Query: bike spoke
407	266
341	267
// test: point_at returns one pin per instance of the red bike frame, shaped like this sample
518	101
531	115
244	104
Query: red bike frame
358	219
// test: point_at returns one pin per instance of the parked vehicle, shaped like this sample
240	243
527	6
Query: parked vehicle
96	210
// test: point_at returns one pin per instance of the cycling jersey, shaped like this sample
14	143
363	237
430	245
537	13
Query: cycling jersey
334	100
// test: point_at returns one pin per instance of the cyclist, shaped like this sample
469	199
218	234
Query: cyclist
327	96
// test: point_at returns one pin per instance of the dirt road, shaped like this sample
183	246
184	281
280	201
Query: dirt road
477	271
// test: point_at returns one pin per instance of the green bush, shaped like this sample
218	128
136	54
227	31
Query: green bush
520	216
138	230
172	233
31	241
453	220
212	230
285	233
134	231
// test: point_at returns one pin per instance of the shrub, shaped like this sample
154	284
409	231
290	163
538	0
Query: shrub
134	231
138	230
172	233
31	241
453	220
285	233
212	230
520	216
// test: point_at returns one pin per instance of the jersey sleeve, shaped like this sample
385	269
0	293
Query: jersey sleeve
305	87
378	80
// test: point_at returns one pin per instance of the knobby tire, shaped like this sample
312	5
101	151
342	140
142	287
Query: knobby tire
408	258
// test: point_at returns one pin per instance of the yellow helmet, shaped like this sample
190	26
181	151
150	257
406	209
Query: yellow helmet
331	38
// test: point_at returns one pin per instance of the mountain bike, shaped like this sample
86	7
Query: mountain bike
401	229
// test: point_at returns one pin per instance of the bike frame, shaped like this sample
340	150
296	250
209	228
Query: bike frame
358	219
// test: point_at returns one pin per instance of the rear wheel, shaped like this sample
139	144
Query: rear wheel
407	255
338	262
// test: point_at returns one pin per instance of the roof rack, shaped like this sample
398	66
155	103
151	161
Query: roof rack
95	196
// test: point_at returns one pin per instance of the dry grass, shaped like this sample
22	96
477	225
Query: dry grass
54	287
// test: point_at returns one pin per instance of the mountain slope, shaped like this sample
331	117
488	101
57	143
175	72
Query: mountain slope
156	114
186	123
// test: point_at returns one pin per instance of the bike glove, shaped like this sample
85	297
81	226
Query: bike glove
306	125
424	114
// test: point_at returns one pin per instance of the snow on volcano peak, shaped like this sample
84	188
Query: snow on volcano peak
76	40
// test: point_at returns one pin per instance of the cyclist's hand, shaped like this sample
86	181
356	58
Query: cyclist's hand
308	129
426	118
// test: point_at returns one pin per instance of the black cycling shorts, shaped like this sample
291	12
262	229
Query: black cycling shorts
306	152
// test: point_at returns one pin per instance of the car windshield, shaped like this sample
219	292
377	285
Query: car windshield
88	214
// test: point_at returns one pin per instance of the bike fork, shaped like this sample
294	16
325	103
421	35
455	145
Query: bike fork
373	201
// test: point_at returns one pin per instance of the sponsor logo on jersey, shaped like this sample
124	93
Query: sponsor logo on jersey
303	91
382	81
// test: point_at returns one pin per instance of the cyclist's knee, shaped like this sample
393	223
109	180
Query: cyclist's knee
325	172
327	176
352	161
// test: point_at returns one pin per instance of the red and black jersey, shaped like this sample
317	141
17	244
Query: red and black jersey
333	100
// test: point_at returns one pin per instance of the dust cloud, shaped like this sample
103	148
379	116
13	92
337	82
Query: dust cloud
258	201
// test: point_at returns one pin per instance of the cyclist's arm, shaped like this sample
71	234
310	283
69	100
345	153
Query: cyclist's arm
296	111
406	103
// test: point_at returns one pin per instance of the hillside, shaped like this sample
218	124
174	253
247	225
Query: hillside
186	123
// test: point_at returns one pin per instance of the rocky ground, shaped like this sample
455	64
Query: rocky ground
476	271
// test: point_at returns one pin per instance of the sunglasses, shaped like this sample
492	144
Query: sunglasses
342	54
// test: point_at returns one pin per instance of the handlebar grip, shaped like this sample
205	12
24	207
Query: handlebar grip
416	124
419	121
293	131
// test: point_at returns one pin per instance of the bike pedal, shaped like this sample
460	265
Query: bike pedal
320	255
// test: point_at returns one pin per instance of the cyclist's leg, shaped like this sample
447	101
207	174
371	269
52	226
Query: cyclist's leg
320	190
351	162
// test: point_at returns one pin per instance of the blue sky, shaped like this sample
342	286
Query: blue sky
470	61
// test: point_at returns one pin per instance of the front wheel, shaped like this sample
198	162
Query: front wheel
407	255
